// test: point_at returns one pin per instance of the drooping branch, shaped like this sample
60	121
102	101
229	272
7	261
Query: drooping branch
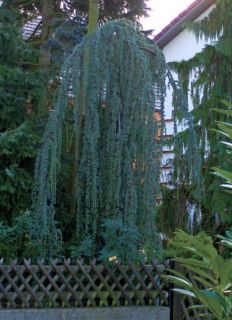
115	84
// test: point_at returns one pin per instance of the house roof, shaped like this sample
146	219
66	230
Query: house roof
192	12
32	27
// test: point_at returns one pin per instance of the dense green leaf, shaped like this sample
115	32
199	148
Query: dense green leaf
185	292
210	277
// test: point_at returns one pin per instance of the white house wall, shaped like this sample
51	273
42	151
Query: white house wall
183	47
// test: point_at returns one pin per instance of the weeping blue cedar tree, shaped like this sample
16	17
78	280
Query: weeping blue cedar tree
114	77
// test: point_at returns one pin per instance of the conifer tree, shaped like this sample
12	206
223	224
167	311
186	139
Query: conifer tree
19	94
19	128
208	75
115	77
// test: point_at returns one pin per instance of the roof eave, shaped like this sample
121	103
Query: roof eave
179	26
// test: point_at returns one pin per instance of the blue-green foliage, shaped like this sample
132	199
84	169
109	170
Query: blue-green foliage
122	241
83	249
114	78
67	34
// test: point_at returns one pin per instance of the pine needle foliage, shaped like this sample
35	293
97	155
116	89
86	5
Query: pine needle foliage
114	77
207	77
20	90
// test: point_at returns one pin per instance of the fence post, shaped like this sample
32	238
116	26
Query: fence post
176	311
170	264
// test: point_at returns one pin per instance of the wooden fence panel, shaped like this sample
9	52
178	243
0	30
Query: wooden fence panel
80	285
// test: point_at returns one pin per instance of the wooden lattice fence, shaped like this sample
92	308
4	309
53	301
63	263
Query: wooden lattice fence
80	285
181	306
188	302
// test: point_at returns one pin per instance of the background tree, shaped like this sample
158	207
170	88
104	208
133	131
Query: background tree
20	86
57	34
208	77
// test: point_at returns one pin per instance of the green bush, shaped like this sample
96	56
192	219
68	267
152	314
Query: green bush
225	129
211	273
120	240
15	240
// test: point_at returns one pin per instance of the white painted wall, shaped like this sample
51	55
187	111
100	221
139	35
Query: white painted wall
183	47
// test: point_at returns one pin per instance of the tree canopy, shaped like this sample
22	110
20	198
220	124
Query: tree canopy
207	77
108	179
115	172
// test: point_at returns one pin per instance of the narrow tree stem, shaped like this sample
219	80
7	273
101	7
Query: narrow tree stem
93	15
47	11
